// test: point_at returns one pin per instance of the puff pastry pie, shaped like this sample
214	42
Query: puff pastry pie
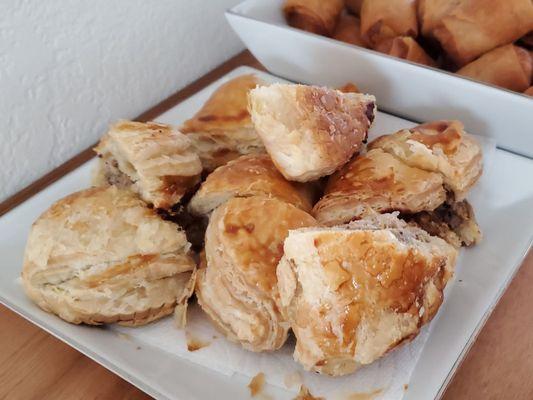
102	256
238	289
439	146
249	175
222	130
154	160
380	182
353	293
310	131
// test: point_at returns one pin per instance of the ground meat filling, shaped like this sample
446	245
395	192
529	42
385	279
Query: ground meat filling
114	176
452	221
193	225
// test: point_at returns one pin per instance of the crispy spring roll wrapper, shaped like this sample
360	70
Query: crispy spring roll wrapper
430	13
354	6
348	30
317	16
529	91
407	48
386	19
508	66
474	27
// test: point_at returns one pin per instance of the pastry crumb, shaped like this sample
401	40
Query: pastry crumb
293	379
256	384
364	395
194	343
304	394
124	336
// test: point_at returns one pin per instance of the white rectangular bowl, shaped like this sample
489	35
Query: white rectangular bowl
402	88
504	205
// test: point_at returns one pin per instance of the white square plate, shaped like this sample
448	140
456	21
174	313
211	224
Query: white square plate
504	204
413	91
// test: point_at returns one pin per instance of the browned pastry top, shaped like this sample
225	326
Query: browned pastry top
439	146
252	231
227	107
352	293
380	182
367	272
249	175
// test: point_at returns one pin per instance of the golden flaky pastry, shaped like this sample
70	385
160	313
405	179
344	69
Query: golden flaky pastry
238	289
250	175
353	293
378	181
310	131
154	160
222	129
102	256
440	146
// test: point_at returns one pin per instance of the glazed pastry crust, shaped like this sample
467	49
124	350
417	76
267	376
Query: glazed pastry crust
101	256
353	293
249	175
378	181
152	159
310	131
440	146
238	288
222	129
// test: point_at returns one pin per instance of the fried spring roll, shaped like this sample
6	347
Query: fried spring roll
508	66
348	30
467	29
386	19
430	12
317	16
407	48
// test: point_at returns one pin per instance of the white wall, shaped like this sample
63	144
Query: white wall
69	68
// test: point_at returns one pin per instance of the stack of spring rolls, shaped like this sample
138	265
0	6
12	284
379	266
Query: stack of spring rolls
487	40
